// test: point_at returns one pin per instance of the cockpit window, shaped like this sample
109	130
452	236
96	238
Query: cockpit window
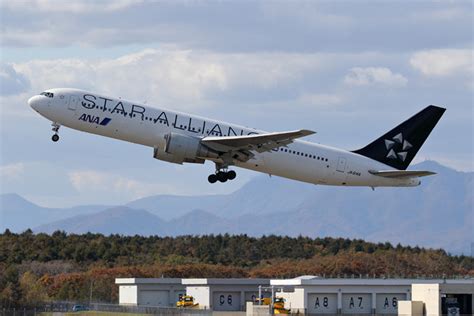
47	94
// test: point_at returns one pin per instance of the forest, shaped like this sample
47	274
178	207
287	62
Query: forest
36	268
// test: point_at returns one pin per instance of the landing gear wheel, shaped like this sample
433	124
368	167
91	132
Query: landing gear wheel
55	129
212	178
231	175
222	176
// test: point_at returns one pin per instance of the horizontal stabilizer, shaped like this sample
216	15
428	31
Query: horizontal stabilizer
257	142
401	173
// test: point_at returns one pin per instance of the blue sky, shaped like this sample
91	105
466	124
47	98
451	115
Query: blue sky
348	70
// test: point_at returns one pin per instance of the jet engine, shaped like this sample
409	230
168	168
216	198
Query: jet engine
179	148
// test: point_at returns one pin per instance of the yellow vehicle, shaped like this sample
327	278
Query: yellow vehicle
281	311
186	301
265	301
278	304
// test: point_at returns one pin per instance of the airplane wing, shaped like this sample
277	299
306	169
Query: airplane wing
256	142
401	173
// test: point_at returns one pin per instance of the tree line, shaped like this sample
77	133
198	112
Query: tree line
40	267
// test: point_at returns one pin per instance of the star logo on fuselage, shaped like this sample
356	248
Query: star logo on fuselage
397	147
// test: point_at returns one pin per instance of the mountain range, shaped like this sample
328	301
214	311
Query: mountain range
438	213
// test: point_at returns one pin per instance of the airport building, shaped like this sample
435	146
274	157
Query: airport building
224	294
149	291
310	295
314	295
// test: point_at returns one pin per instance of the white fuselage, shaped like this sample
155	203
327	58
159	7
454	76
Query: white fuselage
146	125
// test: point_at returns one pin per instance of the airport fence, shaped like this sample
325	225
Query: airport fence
111	309
152	310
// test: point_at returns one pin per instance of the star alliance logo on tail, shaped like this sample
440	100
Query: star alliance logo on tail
94	119
397	147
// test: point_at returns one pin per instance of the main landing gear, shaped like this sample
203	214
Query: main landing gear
55	129
222	176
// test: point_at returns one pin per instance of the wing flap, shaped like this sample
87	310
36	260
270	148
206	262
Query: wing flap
257	142
401	173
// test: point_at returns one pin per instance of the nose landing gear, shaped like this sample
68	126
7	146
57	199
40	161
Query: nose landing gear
222	176
55	129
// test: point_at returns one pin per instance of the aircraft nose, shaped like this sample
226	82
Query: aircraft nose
34	102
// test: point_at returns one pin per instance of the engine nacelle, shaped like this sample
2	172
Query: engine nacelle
177	148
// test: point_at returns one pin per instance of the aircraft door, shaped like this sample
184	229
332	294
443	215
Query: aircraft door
341	164
339	172
72	102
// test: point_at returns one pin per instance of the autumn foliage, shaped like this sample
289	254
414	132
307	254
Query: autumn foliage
40	267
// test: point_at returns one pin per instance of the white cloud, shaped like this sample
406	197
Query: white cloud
457	162
12	171
69	6
161	75
266	25
30	177
11	81
98	182
320	100
440	15
443	62
173	77
310	14
119	184
358	76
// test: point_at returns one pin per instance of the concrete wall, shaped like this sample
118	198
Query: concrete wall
294	300
313	295
431	294
347	299
150	294
256	310
128	295
223	297
239	293
428	294
201	294
149	291
410	308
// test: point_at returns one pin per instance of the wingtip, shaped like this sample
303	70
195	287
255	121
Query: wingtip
307	132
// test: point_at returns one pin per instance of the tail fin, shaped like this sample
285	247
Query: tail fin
398	147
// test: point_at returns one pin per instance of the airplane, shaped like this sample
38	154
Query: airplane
184	138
